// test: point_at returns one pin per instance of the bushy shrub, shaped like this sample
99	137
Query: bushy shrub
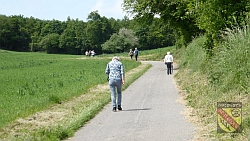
231	64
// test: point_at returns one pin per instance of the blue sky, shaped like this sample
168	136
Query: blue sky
61	9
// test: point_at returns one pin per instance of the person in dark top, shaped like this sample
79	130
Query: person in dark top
136	53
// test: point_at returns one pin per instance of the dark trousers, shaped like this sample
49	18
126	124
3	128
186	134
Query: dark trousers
136	57
169	68
131	56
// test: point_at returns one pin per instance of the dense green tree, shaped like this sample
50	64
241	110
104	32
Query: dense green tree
75	37
98	30
172	12
159	34
107	29
121	42
213	16
5	32
125	23
53	26
112	45
115	25
142	33
81	37
155	34
190	18
67	41
50	43
34	45
94	31
13	34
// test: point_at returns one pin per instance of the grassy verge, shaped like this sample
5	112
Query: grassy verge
155	54
222	78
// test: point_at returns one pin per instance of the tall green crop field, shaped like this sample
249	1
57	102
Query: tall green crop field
31	82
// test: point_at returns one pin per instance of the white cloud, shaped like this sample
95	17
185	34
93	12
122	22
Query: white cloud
109	8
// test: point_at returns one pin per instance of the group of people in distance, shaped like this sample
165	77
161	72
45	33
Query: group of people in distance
116	76
132	53
90	53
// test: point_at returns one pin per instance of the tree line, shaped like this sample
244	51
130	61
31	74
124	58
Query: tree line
191	18
73	36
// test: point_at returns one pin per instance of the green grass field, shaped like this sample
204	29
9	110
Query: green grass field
32	82
33	85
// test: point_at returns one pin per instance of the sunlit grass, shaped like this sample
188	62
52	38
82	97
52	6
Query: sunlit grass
222	78
68	83
31	82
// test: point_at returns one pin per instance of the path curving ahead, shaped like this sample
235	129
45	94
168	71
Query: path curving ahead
150	113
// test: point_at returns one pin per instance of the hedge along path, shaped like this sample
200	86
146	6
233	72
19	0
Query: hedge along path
67	115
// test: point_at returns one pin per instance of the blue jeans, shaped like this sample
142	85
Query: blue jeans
116	86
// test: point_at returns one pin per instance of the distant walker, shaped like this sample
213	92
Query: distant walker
136	53
168	60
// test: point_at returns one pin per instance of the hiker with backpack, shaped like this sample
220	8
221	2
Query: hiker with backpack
131	54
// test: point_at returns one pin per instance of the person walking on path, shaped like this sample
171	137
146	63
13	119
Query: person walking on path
115	70
131	54
151	112
136	53
168	60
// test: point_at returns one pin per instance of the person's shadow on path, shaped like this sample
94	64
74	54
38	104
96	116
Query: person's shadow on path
139	109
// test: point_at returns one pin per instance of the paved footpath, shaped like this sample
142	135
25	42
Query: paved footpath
150	113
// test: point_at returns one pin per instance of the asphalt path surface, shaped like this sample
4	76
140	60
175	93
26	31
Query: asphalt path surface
150	113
